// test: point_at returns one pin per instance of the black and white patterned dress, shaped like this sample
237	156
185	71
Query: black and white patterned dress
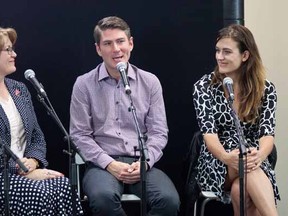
50	197
213	115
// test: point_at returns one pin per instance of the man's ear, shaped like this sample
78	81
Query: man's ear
98	50
131	43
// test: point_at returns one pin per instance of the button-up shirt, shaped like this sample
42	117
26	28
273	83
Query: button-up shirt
101	124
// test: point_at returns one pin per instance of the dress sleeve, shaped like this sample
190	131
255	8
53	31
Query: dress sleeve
267	113
36	144
202	99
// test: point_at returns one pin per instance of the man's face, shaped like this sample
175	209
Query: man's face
114	47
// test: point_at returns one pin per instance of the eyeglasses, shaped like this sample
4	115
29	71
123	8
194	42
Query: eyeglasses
10	50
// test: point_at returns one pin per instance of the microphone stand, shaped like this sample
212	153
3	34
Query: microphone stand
143	156
243	151
71	151
7	151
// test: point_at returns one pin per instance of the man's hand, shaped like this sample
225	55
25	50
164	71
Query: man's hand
128	174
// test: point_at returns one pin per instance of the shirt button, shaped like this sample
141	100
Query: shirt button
117	102
126	143
117	119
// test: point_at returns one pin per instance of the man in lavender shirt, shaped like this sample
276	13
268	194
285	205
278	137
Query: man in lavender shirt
104	130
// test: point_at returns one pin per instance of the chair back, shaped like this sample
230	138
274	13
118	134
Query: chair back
272	158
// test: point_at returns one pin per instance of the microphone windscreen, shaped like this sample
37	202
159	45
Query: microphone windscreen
29	73
228	80
121	66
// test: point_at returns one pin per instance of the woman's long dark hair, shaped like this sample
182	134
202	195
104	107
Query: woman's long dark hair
252	72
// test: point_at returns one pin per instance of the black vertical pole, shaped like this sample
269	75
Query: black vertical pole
233	12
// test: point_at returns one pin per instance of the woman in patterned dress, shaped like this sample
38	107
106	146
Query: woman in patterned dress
40	191
237	57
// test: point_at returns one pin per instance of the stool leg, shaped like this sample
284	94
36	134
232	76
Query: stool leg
195	207
205	201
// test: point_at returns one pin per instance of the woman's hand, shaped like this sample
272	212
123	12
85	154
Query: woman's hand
232	159
253	160
41	174
30	163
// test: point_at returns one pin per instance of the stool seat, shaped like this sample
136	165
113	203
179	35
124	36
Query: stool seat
130	198
124	198
208	196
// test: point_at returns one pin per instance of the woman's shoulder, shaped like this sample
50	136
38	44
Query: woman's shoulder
11	83
268	83
269	86
204	80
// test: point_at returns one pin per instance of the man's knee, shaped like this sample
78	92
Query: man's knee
104	203
165	204
171	201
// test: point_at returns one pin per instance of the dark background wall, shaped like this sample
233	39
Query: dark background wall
173	39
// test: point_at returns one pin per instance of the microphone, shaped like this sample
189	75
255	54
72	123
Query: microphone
30	76
121	67
228	82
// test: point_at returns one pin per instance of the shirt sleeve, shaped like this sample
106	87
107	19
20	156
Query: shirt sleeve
156	124
81	126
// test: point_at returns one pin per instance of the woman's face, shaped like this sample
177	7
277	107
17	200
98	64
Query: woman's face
228	56
7	58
